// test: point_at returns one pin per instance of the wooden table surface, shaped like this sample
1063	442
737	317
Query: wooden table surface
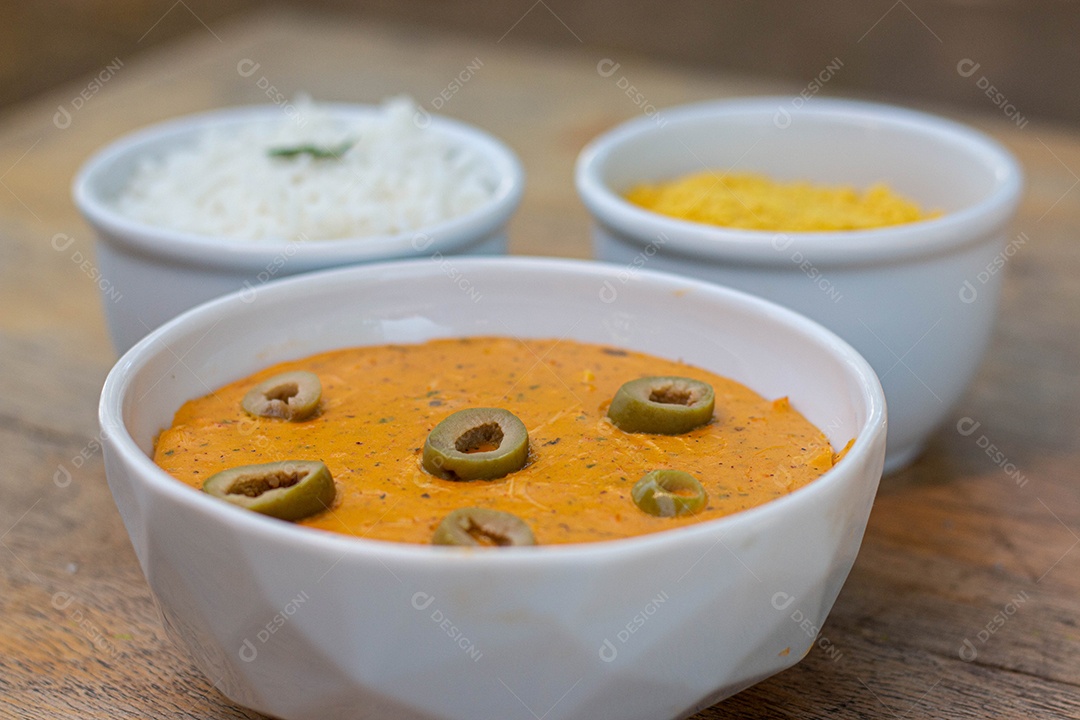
963	602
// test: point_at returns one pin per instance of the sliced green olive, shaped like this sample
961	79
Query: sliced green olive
668	493
477	444
290	396
662	405
480	526
290	490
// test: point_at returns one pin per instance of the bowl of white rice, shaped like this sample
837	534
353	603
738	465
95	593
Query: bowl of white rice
228	200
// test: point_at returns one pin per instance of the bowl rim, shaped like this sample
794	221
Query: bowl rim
220	251
967	225
116	437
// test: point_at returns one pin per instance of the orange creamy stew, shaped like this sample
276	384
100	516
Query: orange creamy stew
379	404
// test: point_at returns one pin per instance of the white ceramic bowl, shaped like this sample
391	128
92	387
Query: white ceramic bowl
300	624
155	273
918	301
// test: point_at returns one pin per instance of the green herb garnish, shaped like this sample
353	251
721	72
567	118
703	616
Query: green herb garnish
319	153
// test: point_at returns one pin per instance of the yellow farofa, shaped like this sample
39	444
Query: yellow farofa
754	202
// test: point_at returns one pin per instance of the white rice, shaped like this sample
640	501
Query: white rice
395	177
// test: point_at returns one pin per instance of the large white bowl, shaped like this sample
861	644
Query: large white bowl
918	301
154	273
304	624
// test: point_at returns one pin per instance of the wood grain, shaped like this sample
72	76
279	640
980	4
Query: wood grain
954	541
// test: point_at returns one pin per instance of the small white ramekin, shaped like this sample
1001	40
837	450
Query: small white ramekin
917	300
154	273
